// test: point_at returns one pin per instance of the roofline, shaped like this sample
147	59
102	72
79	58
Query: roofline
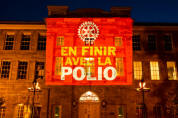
23	22
154	24
134	24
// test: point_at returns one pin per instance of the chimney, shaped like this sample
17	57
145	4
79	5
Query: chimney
57	11
121	11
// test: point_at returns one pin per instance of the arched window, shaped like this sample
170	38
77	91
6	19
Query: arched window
89	97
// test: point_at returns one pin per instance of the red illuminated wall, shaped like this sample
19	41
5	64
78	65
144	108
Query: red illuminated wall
109	28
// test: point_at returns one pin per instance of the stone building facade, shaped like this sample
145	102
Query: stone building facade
22	56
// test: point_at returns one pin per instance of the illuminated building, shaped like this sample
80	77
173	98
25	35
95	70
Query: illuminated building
23	56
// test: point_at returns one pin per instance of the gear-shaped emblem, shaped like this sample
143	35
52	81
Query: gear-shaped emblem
89	30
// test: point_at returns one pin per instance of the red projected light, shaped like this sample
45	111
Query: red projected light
89	51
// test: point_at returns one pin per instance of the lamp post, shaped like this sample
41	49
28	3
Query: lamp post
142	88
35	88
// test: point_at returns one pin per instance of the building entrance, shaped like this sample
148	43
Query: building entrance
89	105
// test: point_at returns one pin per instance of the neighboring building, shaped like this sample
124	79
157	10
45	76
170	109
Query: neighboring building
23	55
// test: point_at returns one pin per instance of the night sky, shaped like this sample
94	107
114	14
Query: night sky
142	10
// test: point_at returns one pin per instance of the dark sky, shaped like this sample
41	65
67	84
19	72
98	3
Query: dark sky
142	10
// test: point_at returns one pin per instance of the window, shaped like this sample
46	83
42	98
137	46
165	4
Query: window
89	97
136	42
39	70
22	111
58	65
154	70
167	43
118	41
57	111
121	111
9	42
37	111
137	70
140	111
119	66
89	66
60	41
172	71
151	42
41	42
25	42
89	41
2	112
5	69
22	70
157	110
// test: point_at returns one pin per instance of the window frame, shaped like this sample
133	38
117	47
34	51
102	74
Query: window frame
119	62
89	68
124	108
58	65
26	71
1	67
24	41
138	70
42	69
22	112
118	41
171	39
89	41
60	112
154	70
136	45
151	42
5	41
175	70
60	41
41	44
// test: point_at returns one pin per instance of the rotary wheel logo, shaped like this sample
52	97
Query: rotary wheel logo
89	30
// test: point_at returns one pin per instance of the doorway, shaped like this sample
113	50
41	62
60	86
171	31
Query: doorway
89	105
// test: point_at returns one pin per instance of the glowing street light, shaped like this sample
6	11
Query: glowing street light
142	88
35	88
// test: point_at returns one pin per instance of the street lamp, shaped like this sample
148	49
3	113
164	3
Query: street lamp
142	88
35	88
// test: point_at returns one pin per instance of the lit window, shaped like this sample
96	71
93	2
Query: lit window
121	112
58	65
9	42
119	66
22	70
39	70
154	70
172	71
60	41
41	42
2	112
89	97
136	42
151	42
167	43
118	41
137	70
89	41
25	42
22	111
5	69
57	111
